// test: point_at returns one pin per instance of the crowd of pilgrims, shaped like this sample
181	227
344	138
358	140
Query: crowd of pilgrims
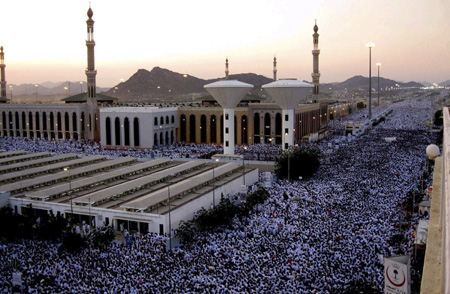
325	234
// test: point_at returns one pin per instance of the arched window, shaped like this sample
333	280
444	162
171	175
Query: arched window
10	123
16	118
38	121
155	139
108	130
256	124
183	128
161	120
192	128
221	129
4	120
173	119
30	120
126	131
278	127
203	129
44	121
59	121
24	121
74	122
52	122
156	121
66	122
172	139
244	129
136	131
235	130
82	122
267	127
117	130
167	120
167	138
161	138
213	124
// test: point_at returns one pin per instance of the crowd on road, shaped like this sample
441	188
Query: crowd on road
325	234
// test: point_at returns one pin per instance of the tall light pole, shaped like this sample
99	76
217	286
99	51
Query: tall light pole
81	87
243	162
70	191
214	182
36	86
185	76
90	222
378	65
170	220
370	46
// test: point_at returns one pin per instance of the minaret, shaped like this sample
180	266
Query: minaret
226	69
274	68
316	74
2	68
91	100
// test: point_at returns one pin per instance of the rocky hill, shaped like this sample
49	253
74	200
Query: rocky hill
163	83
360	82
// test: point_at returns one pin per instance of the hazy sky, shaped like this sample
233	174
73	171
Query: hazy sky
45	40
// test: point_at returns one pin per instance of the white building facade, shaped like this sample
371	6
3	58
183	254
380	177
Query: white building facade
138	127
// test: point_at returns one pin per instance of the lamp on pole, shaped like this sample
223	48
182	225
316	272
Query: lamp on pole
378	65
170	220
243	162
90	222
370	46
81	87
70	191
36	86
214	182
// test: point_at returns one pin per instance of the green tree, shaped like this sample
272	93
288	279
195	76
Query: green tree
300	162
438	120
361	105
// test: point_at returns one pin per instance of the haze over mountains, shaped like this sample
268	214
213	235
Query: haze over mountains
163	83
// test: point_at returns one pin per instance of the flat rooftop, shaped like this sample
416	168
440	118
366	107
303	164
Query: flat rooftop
120	184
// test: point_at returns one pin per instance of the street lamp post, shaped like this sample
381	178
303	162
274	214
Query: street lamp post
170	220
70	191
90	222
243	162
81	87
36	86
185	76
370	46
378	65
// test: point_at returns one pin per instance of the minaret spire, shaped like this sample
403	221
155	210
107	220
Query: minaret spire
315	52
91	72
274	68
226	69
2	69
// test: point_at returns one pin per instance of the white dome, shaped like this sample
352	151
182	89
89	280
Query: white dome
432	151
287	84
228	84
229	92
288	93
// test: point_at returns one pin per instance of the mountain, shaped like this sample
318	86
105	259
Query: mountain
360	82
163	83
50	89
426	84
445	84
